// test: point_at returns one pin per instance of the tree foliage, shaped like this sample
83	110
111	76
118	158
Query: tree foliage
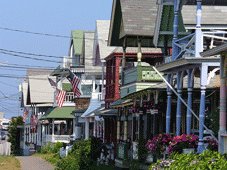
14	134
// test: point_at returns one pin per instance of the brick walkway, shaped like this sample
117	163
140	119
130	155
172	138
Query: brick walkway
34	163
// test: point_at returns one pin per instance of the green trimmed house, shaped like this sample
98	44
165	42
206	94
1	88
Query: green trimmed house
58	124
36	99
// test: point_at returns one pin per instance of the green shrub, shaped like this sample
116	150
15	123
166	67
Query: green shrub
204	161
51	148
68	163
96	145
53	158
14	135
79	158
56	147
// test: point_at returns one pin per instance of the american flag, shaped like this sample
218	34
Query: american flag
34	121
75	81
52	83
25	115
60	97
60	94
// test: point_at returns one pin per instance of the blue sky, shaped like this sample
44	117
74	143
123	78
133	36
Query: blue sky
53	17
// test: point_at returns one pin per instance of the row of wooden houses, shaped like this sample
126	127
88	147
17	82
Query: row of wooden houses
129	67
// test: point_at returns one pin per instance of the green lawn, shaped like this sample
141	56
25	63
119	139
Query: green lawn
9	163
50	157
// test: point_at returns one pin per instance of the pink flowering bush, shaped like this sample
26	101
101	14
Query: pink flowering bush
157	145
178	143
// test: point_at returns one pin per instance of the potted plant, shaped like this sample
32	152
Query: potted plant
183	143
157	145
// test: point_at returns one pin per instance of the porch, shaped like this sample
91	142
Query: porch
58	125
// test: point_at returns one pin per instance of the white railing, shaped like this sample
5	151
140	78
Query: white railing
57	138
69	97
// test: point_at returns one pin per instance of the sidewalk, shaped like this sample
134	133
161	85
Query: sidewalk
34	163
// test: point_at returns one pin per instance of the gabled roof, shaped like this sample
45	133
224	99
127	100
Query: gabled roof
98	50
38	71
132	18
211	15
59	113
101	38
89	57
77	41
40	90
24	90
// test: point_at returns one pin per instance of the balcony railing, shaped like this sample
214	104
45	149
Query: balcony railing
69	97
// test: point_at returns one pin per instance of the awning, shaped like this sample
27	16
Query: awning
121	103
101	111
59	113
95	103
160	87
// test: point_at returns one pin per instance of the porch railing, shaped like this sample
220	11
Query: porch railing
69	97
56	138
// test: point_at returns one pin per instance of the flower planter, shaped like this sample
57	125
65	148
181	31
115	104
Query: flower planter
188	150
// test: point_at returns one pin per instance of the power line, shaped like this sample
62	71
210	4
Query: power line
36	33
32	54
22	77
15	69
6	108
8	84
26	66
48	34
27	57
3	94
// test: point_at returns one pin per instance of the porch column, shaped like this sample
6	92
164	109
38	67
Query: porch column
190	86
155	113
179	91
103	71
86	128
93	84
203	83
139	53
118	125
77	128
126	128
175	29
94	129
168	109
103	130
74	128
222	118
198	31
52	133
